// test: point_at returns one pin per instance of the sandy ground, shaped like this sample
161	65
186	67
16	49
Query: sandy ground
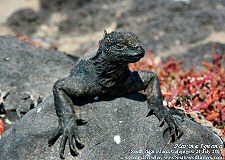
67	43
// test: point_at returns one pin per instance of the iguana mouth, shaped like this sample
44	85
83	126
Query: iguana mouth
135	58
139	55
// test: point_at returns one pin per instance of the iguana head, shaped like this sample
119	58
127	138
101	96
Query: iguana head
121	47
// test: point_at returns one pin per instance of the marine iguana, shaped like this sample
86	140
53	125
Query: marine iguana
106	72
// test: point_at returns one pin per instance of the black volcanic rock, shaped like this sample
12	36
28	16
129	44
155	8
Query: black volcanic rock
116	129
28	73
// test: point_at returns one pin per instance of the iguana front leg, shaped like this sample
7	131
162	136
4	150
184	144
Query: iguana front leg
64	90
155	103
149	82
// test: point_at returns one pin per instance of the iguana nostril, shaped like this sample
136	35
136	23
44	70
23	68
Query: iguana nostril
140	48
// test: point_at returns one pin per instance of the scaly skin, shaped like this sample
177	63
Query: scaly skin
105	72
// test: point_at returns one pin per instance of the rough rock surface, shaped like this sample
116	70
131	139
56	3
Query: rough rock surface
116	129
28	73
23	18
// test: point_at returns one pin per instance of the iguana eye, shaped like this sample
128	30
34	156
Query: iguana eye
120	46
